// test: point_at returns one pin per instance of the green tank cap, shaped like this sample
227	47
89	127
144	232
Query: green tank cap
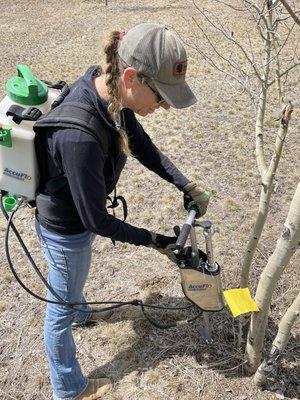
9	203
5	135
25	88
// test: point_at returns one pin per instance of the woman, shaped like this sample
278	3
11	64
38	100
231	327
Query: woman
145	70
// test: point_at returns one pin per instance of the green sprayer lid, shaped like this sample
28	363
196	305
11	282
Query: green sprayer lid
25	88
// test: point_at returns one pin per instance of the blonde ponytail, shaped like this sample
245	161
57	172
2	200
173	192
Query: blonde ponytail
113	73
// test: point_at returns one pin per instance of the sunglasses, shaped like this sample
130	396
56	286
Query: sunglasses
159	98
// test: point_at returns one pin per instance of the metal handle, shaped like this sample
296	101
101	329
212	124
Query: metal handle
211	264
195	253
185	231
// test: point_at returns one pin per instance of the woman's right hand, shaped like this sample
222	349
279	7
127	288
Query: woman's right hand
164	244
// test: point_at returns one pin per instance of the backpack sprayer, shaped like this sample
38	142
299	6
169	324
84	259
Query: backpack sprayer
19	177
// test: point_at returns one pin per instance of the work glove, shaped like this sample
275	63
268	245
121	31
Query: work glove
196	195
165	244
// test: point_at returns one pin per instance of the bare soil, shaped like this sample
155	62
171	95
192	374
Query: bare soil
211	142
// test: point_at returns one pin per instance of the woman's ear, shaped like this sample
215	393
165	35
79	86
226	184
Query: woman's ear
128	77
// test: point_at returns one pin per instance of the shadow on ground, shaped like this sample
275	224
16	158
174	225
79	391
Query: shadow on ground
151	345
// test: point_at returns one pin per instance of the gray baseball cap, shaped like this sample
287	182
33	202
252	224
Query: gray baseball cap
158	53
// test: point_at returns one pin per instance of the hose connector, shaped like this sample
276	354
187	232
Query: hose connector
9	203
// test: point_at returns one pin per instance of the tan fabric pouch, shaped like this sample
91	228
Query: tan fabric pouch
203	288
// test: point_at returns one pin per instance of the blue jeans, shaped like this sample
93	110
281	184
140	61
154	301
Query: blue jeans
69	259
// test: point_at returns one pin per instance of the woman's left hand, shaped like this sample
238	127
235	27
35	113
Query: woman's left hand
197	195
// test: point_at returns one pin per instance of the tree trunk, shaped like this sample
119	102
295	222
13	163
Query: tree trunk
260	160
269	366
266	192
264	203
285	248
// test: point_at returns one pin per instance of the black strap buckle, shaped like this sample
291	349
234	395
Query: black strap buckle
20	114
31	114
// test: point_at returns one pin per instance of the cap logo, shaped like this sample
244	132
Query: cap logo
179	68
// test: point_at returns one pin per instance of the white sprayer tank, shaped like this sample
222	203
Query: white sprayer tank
18	166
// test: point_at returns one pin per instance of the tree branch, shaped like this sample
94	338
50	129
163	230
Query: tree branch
236	67
284	73
232	39
291	11
213	64
280	139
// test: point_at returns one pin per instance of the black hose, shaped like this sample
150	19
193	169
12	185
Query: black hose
115	304
36	269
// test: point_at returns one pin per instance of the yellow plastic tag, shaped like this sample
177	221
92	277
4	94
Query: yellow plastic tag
239	301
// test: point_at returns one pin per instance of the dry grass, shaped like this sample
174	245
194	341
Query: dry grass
212	142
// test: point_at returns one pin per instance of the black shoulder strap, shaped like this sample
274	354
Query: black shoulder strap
56	85
78	116
65	90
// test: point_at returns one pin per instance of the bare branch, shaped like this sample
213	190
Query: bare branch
236	67
284	73
213	64
250	45
277	74
260	12
282	19
260	30
271	59
280	139
282	15
252	5
291	11
232	7
289	69
221	29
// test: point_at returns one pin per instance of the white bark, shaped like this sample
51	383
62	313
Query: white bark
268	367
270	39
266	192
267	185
286	245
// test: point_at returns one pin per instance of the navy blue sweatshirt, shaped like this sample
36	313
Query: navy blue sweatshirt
80	204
